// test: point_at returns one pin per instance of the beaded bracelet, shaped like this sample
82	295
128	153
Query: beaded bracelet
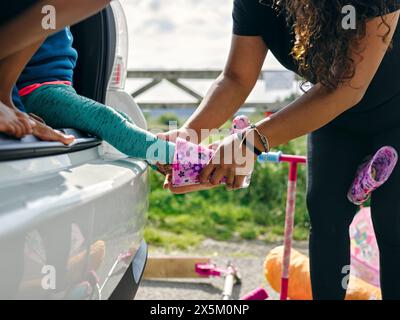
263	138
248	145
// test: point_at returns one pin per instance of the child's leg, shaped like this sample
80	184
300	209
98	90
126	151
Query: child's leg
9	122
60	106
12	122
10	69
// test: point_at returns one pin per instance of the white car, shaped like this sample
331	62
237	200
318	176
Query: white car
72	218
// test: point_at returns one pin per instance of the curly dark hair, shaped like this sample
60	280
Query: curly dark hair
322	46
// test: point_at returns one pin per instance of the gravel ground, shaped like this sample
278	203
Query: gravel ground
247	256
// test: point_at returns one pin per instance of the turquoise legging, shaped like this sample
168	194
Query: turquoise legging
61	107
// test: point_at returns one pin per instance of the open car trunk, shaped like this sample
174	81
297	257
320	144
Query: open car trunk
95	42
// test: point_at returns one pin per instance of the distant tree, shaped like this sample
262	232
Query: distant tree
168	117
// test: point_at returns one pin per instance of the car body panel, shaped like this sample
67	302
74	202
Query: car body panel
72	223
70	216
122	101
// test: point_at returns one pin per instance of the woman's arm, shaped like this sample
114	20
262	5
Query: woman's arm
319	106
313	110
225	97
231	89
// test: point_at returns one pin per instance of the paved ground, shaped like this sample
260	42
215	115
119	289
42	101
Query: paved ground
247	256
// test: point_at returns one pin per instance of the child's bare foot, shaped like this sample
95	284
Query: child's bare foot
13	123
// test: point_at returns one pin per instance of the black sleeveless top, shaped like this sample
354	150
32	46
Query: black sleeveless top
252	18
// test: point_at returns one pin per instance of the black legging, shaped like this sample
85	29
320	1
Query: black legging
335	152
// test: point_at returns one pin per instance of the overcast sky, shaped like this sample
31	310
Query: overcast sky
191	34
183	34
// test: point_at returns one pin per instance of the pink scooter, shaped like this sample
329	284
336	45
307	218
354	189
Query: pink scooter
232	277
261	293
370	176
239	123
294	162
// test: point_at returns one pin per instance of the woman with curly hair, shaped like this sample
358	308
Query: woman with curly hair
352	109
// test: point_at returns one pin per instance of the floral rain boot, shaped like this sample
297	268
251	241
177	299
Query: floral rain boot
372	174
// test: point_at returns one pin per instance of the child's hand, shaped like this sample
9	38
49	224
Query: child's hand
45	133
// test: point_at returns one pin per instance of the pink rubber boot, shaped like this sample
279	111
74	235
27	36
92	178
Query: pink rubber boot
240	123
372	174
190	159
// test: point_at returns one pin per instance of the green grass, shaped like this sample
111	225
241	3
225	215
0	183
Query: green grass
182	221
170	240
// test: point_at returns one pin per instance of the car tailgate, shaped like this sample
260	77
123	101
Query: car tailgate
65	220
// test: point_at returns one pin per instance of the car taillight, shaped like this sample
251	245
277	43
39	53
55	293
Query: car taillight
118	78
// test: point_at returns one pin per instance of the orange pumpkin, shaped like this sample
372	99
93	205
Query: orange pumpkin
299	278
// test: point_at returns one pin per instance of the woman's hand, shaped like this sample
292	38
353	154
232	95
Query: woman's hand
231	163
190	188
187	134
186	189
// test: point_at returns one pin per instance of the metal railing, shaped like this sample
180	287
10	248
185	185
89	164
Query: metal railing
174	77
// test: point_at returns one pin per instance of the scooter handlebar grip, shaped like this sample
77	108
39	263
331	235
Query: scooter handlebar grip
270	157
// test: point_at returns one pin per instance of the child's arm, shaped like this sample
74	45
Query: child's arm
61	107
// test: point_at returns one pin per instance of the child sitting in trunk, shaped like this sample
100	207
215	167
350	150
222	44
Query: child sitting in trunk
21	34
46	90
